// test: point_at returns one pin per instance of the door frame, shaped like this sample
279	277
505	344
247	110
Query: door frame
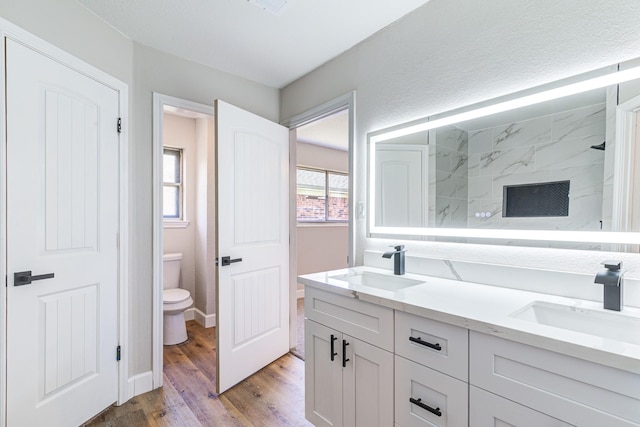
627	157
159	102
346	101
11	31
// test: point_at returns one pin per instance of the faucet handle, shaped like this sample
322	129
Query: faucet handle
612	265
397	247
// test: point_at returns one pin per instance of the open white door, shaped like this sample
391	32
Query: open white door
62	256
253	243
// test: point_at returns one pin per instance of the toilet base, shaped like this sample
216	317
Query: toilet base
175	329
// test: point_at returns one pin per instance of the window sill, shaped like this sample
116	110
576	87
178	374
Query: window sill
323	224
175	224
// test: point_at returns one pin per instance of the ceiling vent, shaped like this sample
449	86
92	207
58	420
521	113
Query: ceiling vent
277	7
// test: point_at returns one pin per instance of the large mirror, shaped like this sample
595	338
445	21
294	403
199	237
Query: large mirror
546	167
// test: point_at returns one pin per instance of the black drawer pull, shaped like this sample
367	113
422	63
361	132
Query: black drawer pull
333	353
419	403
344	353
419	340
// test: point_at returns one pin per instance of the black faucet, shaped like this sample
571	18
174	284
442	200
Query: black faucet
398	259
611	278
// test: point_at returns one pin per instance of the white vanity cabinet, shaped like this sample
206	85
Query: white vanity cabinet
431	365
369	365
572	391
349	361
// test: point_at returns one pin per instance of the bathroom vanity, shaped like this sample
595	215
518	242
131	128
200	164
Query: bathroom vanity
413	350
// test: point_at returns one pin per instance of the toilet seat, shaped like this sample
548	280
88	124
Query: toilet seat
175	296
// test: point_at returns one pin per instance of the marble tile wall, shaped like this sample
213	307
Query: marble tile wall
451	178
545	149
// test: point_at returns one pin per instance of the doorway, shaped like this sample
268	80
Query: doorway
183	137
250	154
322	194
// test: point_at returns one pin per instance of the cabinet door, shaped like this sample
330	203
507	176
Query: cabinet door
368	385
323	377
425	397
487	409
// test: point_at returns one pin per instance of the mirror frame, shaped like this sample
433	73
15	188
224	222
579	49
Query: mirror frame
624	155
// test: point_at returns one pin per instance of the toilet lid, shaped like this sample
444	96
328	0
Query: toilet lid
173	296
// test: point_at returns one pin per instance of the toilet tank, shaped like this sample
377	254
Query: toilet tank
171	270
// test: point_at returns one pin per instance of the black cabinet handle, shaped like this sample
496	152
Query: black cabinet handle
344	353
419	340
419	403
333	353
25	278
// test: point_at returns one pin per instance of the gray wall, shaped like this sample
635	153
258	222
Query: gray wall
69	26
451	53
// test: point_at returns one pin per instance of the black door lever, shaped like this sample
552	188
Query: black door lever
25	278
226	260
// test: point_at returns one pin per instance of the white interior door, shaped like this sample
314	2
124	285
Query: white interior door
253	231
62	219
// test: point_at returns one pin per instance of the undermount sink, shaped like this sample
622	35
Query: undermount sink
376	280
615	326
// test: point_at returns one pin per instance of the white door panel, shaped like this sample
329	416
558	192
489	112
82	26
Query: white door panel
253	226
401	185
62	218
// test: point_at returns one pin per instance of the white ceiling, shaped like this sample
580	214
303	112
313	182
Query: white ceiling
240	38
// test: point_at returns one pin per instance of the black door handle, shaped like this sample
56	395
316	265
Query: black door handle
226	260
25	278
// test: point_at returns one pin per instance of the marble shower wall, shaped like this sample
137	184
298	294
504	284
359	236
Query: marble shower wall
545	149
451	180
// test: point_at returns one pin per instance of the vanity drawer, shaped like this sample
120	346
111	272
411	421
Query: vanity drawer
487	409
369	322
446	397
434	344
575	390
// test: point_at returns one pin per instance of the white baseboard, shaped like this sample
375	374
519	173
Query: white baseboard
139	384
206	320
300	293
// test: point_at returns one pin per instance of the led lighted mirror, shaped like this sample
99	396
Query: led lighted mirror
551	166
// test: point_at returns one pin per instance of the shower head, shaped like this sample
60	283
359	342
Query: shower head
599	146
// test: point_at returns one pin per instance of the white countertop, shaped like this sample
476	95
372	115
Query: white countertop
488	309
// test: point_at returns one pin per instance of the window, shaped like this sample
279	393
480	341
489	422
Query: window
172	183
323	196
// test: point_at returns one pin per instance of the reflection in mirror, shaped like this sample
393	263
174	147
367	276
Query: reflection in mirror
402	182
546	166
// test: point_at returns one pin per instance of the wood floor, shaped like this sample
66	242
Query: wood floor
273	396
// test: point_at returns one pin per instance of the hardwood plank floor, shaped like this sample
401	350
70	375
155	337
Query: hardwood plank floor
274	396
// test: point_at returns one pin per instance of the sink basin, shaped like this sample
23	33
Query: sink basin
376	280
615	326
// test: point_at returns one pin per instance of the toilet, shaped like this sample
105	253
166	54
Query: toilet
175	301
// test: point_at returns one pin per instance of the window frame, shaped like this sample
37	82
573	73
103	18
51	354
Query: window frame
179	154
327	173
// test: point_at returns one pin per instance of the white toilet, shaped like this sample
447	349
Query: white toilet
175	301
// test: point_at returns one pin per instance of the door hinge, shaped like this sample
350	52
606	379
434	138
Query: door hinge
119	125
118	353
